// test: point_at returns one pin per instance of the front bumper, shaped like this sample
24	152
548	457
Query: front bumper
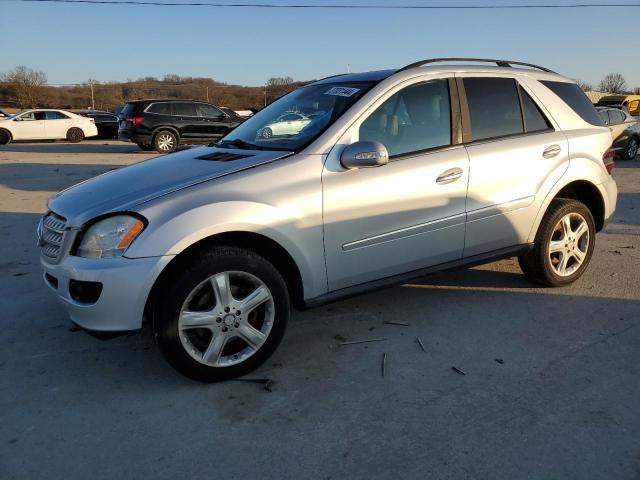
126	284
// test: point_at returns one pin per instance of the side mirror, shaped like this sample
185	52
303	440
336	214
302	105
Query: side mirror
364	154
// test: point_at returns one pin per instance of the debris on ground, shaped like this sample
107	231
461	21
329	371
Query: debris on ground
266	382
339	338
368	340
384	364
421	344
617	252
457	370
394	322
500	361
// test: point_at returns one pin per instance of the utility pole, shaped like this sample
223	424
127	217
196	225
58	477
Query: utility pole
265	96
93	103
208	94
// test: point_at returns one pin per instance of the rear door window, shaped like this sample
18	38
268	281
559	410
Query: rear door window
575	98
56	116
494	107
604	115
163	108
185	109
534	119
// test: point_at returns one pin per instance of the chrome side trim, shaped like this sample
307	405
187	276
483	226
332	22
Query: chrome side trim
500	208
406	232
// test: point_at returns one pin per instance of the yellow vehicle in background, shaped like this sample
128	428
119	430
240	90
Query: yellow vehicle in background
632	102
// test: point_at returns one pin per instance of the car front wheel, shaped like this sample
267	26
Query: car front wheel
222	314
563	246
5	137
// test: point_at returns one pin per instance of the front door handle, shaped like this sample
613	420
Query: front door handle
449	176
551	151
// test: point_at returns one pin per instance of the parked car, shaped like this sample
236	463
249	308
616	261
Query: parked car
46	124
290	123
401	173
625	130
106	122
4	113
631	102
164	124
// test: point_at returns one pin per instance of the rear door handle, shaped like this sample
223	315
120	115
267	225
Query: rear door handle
449	176
551	151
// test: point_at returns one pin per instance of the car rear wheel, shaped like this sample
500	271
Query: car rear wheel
5	137
563	246
267	132
631	150
222	315
165	141
75	135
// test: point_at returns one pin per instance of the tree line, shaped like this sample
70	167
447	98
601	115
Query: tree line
24	87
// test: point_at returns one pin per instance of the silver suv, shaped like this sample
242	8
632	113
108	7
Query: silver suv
392	175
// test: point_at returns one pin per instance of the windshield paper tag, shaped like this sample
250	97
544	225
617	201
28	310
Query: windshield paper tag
342	91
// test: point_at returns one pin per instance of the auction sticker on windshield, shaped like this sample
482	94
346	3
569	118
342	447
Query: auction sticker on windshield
342	91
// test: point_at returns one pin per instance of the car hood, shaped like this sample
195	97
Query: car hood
123	189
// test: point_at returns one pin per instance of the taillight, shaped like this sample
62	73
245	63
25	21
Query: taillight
607	159
135	120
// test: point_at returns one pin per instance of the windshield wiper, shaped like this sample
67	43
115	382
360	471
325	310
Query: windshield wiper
237	143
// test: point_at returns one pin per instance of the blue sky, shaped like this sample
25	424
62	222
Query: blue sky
73	43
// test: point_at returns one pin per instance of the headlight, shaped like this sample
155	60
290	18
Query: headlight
110	237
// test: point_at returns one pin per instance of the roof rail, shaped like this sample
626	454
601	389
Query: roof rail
500	63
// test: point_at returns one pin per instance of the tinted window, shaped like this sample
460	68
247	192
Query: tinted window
55	116
205	110
160	108
416	118
494	107
616	117
573	96
291	117
185	109
129	109
534	119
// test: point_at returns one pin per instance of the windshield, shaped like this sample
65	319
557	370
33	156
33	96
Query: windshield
298	118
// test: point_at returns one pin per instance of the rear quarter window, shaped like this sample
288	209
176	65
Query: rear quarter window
163	108
129	109
575	98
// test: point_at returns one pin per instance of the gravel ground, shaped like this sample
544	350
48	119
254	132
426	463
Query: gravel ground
551	390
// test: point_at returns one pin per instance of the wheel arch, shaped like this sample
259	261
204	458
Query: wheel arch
260	244
587	193
157	130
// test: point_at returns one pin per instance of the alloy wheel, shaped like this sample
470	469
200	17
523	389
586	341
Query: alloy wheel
226	318
569	244
632	148
166	142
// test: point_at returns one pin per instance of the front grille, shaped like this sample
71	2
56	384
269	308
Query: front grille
51	235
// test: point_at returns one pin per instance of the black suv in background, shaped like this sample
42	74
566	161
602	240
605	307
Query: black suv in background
164	124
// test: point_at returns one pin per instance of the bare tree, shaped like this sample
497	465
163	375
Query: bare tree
613	83
585	86
26	85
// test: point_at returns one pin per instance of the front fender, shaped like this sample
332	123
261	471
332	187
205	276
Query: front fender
300	238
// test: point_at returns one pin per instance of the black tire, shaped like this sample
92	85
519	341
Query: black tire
75	135
631	149
180	287
146	148
5	137
537	263
165	141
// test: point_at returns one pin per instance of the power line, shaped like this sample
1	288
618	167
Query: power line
340	6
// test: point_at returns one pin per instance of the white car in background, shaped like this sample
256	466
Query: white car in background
287	124
46	124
